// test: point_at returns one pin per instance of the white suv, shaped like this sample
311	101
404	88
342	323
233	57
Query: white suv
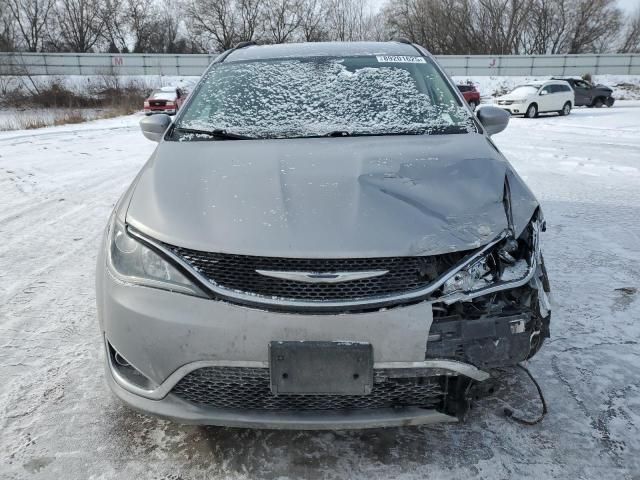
538	97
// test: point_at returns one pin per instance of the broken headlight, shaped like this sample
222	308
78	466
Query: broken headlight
132	261
510	260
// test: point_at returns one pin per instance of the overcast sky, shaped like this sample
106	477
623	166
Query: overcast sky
629	5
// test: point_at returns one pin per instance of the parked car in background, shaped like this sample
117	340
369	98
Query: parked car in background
534	98
164	100
470	94
359	256
590	95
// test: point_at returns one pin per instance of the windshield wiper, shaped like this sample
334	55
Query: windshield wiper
436	130
218	133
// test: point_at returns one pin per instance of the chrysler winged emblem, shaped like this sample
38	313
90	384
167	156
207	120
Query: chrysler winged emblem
322	277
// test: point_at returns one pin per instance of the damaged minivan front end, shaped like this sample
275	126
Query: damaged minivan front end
342	278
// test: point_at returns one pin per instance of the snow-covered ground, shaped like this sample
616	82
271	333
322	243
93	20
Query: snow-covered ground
58	419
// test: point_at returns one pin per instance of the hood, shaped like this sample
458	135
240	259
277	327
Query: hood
516	96
328	197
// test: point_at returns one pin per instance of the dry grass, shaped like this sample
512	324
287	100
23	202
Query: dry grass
29	124
31	120
63	106
70	117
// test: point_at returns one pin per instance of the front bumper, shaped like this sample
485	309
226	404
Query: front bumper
514	108
165	336
168	111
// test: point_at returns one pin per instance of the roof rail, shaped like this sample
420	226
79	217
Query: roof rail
244	44
402	40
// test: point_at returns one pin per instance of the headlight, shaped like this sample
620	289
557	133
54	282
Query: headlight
508	261
131	261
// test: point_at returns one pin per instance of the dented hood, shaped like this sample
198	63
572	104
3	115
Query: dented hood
329	197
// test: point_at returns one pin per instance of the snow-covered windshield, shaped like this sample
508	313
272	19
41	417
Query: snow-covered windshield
303	97
162	95
524	90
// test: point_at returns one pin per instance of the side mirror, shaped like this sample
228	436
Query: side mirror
153	127
493	119
543	92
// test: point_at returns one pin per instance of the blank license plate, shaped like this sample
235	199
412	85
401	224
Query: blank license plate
339	368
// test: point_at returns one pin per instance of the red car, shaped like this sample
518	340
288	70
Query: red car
165	100
471	95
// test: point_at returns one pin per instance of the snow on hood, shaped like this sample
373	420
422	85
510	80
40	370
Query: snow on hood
330	197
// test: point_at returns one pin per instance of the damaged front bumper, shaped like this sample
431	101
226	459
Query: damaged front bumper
194	360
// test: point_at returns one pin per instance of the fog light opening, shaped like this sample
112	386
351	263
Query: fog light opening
120	360
128	372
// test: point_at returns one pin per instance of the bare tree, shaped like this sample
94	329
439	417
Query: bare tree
547	30
593	24
349	20
169	18
213	22
142	18
428	22
312	27
250	19
7	28
220	24
114	16
30	19
282	19
504	21
80	23
631	36
506	26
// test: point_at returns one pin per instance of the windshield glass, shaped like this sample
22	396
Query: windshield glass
289	98
524	90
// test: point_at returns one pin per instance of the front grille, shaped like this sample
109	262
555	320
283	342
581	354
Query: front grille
238	272
249	389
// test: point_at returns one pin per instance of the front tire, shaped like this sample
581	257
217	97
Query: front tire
598	103
566	109
473	105
532	111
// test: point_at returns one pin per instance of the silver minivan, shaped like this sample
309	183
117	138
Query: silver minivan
325	237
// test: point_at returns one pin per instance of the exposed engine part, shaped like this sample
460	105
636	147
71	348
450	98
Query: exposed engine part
504	327
496	330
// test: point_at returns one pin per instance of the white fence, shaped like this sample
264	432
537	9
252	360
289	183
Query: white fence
193	65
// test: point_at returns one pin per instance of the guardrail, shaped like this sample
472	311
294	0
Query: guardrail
194	65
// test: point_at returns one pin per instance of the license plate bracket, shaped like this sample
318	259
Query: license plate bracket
329	368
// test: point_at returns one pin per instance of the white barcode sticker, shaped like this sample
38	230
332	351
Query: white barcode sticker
399	59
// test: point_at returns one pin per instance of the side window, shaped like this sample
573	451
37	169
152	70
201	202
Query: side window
581	84
546	89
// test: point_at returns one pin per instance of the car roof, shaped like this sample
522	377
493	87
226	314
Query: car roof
321	49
